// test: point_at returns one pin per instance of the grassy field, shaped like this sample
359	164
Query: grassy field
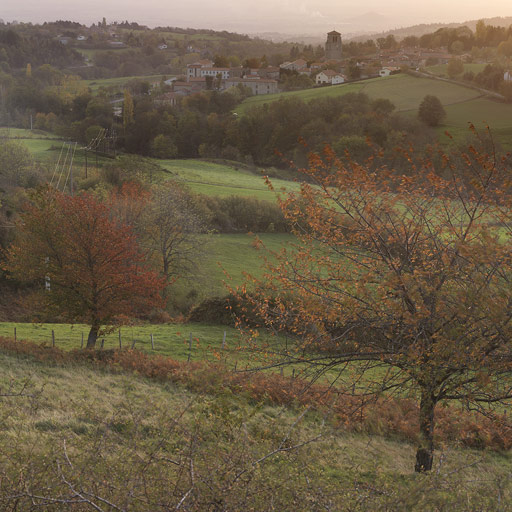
200	176
133	441
226	258
46	148
462	104
22	133
406	92
305	95
169	339
482	112
223	180
442	69
119	82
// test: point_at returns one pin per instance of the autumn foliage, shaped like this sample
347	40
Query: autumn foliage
403	280
87	266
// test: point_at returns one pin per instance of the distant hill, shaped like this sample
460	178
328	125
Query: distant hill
427	28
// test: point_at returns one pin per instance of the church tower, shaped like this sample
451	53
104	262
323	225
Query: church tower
333	46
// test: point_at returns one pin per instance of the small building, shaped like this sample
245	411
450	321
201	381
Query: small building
169	98
224	73
329	76
194	69
257	85
389	70
297	65
269	72
507	76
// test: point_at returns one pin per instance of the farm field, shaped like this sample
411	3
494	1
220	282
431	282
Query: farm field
482	112
442	69
169	339
463	105
305	95
22	133
95	84
235	254
226	258
200	176
406	92
223	180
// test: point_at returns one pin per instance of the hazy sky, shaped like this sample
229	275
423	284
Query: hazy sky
286	16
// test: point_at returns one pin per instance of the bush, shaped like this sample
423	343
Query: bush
431	111
243	214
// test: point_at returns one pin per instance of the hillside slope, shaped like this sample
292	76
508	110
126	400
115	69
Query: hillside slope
87	438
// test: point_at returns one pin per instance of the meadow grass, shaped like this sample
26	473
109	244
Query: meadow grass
305	95
442	69
23	133
119	82
105	427
224	180
407	92
404	91
463	105
169	339
482	113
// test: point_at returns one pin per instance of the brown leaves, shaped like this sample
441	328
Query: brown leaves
95	270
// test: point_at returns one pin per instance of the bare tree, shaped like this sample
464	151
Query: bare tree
173	231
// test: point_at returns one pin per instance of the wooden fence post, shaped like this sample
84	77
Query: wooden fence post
152	342
120	342
189	348
15	334
82	343
102	343
53	338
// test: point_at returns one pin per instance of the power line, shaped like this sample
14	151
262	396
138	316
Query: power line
58	163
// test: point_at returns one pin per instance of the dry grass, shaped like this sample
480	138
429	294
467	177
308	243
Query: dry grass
91	428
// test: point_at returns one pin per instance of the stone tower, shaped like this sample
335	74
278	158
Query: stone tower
333	46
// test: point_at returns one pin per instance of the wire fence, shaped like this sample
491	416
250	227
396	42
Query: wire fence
182	345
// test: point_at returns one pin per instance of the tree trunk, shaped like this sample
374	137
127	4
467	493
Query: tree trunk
425	452
93	336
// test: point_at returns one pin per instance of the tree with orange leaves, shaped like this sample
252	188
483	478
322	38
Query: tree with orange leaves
408	278
91	263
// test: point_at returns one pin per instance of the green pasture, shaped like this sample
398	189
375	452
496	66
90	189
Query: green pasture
442	69
119	82
200	176
228	256
223	180
305	95
38	142
183	342
463	105
482	113
169	339
404	91
23	133
47	148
